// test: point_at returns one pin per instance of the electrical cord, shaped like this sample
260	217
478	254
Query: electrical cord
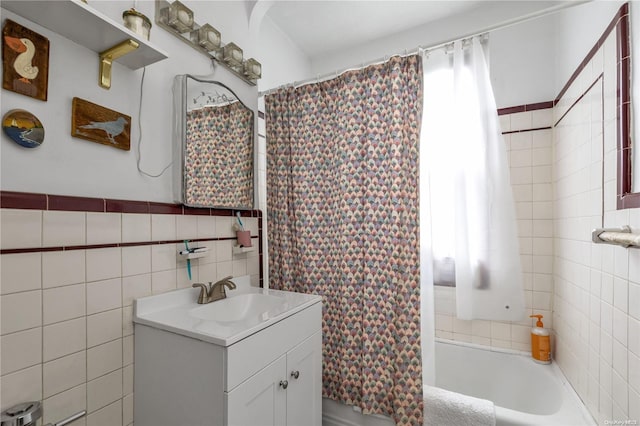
138	156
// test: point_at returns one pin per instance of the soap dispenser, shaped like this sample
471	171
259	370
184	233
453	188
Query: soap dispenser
540	342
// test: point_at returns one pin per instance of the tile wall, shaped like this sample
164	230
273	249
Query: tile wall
528	137
68	280
597	287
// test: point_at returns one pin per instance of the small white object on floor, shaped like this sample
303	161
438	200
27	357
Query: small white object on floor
446	408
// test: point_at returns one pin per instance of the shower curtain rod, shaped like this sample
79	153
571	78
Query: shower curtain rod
420	49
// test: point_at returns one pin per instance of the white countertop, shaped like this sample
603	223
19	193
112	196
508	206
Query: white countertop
171	312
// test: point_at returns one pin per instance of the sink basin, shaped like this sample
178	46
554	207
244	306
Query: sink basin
245	311
240	308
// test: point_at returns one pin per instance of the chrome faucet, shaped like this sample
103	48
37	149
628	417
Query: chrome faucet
214	291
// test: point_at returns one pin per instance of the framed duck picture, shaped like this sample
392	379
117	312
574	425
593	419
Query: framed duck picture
25	61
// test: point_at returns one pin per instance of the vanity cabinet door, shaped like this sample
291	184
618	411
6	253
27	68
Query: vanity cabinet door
261	400
304	393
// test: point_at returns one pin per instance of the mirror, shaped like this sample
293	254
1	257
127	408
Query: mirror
215	152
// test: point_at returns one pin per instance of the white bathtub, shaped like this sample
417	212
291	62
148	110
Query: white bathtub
524	392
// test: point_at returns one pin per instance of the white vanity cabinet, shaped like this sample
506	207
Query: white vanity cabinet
287	392
272	376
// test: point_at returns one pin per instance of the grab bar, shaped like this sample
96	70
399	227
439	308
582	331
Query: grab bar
69	419
617	236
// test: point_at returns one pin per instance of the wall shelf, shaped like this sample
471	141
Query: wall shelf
82	24
242	249
162	4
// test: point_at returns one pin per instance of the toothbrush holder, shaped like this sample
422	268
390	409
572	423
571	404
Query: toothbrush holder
244	238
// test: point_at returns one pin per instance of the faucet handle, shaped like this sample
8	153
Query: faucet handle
204	293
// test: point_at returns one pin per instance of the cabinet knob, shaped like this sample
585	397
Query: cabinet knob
284	384
295	374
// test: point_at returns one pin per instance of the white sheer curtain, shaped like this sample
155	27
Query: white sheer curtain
466	196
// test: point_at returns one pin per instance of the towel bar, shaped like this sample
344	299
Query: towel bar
617	236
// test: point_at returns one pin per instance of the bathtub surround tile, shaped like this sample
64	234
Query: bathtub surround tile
20	350
20	311
64	373
20	272
20	228
61	268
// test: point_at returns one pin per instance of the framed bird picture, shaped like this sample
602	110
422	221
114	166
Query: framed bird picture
99	124
25	61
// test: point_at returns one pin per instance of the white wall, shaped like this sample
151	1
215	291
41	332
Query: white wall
578	30
521	55
70	166
285	62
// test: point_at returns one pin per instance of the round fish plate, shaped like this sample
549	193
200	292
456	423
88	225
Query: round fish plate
23	128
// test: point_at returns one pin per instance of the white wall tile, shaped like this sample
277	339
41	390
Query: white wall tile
103	228
163	227
163	281
127	380
521	121
104	390
136	227
163	257
127	410
127	320
21	311
21	350
62	228
110	415
20	272
21	386
136	260
104	295
103	263
206	226
64	373
20	228
104	327
63	268
224	226
64	404
63	338
63	303
186	227
127	350
134	287
104	359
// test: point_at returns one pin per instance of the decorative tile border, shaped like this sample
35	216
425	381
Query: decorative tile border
33	201
525	108
527	130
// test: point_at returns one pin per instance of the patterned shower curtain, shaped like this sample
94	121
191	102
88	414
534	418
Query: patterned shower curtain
342	188
219	156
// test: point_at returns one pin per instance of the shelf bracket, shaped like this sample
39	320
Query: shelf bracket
108	56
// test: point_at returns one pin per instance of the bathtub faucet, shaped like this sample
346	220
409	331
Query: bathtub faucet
214	291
